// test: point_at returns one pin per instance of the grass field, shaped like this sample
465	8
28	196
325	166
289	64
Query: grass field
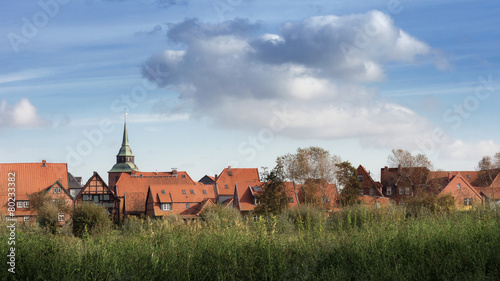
355	244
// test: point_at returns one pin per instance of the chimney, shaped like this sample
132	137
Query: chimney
450	176
133	173
386	168
229	171
174	172
44	163
215	177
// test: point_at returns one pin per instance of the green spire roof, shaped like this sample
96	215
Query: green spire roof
125	149
124	158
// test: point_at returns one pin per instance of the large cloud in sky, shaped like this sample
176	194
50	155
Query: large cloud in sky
314	70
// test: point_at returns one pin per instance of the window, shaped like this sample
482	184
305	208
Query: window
407	190
163	191
400	191
57	189
468	176
372	191
60	217
23	204
183	191
468	201
105	197
360	177
166	207
86	198
26	218
72	192
96	198
458	186
188	206
377	205
230	173
389	190
192	191
226	186
204	191
290	199
361	191
183	176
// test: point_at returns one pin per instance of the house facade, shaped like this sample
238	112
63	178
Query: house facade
20	181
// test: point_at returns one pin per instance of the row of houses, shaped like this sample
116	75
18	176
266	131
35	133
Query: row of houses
131	192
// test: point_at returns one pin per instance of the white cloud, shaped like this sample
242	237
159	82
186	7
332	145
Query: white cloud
240	79
21	114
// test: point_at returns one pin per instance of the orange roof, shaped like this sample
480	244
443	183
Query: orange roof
136	186
229	176
371	200
32	177
135	202
181	193
244	195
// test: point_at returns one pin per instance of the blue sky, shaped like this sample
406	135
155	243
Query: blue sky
232	82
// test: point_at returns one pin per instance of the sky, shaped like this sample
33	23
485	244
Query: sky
212	83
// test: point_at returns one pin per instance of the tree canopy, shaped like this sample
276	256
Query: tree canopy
273	198
347	176
309	163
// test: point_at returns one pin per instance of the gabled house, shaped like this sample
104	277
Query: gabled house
188	201
245	196
97	191
463	192
19	181
207	180
399	183
226	181
132	188
368	185
74	185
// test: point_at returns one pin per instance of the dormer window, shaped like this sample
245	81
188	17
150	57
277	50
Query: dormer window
23	204
458	186
360	177
192	191
226	186
166	207
183	191
163	191
204	191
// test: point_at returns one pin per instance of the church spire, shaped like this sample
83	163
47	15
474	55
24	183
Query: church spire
125	158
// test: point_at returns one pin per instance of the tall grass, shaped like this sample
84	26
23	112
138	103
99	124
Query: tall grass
354	244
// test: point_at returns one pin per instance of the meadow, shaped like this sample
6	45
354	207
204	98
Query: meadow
353	244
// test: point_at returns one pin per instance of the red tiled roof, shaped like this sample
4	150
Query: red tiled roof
238	175
245	195
128	183
291	191
135	202
32	178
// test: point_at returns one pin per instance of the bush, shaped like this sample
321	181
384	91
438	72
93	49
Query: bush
90	218
221	216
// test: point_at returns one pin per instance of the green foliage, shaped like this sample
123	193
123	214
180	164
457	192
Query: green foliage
273	198
305	217
221	216
374	245
347	176
48	210
423	202
92	218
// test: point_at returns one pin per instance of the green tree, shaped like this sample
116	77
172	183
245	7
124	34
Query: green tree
48	210
272	199
347	177
90	217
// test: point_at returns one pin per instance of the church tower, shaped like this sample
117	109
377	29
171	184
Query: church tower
124	160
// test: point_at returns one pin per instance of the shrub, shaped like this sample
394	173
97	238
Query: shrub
221	216
91	218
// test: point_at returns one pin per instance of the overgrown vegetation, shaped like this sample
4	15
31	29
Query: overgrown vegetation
90	218
299	244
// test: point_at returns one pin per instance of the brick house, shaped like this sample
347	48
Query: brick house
29	179
187	201
225	183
